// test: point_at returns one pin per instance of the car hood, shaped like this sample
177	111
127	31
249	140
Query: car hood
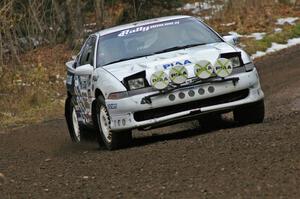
165	61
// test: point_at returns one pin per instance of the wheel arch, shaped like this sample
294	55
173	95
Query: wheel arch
98	93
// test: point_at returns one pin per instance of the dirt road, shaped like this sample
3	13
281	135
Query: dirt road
180	162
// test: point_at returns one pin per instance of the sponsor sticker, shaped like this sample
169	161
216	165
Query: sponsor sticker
178	74
177	63
223	67
147	28
69	79
159	80
112	106
203	69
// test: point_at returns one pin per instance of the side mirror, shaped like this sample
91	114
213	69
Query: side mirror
86	69
231	39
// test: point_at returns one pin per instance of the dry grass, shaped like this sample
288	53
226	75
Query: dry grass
34	91
252	15
249	16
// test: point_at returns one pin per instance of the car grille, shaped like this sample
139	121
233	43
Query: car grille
164	111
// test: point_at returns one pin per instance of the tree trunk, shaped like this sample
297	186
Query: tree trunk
12	47
79	19
35	17
74	21
59	13
99	12
1	50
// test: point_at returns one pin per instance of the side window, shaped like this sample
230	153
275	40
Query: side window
87	56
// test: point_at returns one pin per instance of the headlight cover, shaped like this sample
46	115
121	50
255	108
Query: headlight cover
234	57
235	61
136	83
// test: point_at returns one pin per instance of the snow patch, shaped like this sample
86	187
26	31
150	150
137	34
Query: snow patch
258	54
89	24
277	47
278	30
207	17
197	7
235	34
256	35
228	24
288	20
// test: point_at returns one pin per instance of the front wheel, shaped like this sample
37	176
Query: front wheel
249	114
112	140
74	128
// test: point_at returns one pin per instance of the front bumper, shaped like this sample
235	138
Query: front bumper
124	112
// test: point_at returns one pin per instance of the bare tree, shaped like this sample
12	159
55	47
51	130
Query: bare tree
74	20
99	12
7	31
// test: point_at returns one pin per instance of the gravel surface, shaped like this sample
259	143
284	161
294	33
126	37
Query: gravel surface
182	161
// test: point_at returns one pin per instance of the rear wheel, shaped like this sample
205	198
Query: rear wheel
72	121
253	113
112	140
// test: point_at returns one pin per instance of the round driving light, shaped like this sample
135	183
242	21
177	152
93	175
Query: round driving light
178	74
181	95
159	80
172	97
191	93
223	67
203	69
211	89
201	91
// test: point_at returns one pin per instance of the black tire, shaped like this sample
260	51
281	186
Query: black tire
210	121
69	111
111	140
249	114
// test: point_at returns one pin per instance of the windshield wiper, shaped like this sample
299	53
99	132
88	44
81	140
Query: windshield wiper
124	59
179	48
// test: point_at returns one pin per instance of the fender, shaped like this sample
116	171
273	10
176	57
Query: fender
106	82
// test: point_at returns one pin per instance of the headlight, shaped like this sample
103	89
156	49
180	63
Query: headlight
136	83
159	80
235	61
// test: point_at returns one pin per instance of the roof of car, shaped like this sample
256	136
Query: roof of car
138	23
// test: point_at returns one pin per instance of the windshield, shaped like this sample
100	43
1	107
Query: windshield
153	39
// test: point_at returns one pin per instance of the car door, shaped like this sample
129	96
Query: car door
83	82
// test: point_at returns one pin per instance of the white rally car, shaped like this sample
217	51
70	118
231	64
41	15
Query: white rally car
156	72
